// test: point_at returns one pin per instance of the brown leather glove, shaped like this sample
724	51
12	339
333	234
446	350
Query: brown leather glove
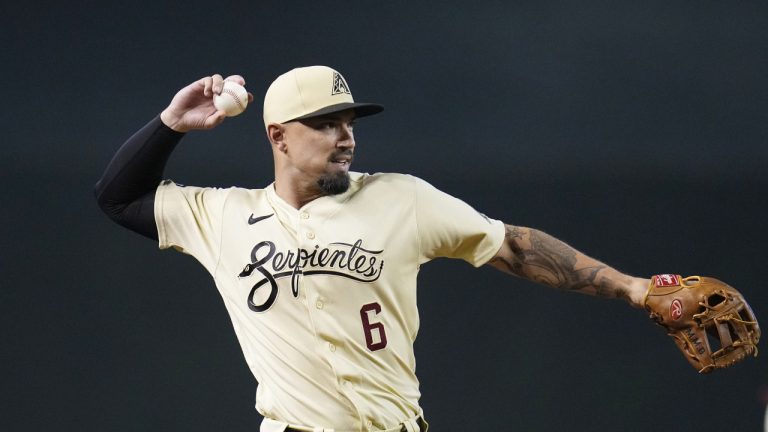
709	320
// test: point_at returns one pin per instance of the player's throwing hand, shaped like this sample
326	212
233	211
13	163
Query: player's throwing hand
192	107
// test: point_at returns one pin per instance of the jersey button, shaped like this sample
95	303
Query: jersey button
332	347
304	215
310	235
369	424
319	304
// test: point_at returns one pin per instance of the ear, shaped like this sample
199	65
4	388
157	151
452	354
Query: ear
276	135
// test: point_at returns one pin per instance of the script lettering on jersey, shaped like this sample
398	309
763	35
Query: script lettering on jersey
346	260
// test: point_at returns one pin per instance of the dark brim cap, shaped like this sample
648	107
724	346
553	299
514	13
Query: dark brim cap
361	110
310	92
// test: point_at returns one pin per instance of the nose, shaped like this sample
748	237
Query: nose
346	137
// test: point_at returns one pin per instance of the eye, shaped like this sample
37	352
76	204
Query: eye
324	126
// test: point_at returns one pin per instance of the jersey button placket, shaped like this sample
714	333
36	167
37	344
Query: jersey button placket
304	216
303	225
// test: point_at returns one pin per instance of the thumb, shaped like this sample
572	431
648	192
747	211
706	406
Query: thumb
215	119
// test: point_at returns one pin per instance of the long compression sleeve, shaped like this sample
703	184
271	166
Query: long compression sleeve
126	190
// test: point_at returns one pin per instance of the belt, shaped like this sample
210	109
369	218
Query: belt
419	421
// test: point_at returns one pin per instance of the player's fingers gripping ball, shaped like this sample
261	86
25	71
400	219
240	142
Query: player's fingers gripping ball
709	320
233	99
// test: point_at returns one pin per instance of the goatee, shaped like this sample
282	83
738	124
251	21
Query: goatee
334	184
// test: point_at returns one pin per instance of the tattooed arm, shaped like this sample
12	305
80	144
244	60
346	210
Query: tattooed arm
539	257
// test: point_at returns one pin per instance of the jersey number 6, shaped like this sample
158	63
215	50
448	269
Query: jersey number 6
369	327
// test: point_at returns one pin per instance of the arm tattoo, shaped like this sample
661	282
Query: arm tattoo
539	257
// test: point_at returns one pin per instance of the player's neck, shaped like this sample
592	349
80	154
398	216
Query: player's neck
293	185
297	193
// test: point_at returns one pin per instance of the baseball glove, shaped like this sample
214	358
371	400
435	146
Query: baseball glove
709	320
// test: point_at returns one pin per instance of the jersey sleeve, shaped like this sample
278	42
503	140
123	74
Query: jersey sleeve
448	227
189	219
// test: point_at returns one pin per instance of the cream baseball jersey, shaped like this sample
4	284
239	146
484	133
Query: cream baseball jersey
323	298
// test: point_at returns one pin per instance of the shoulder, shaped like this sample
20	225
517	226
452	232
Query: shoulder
241	199
387	180
224	194
393	184
245	193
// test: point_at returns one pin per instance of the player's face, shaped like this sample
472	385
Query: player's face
321	148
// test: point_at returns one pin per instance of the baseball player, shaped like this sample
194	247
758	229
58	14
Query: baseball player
318	269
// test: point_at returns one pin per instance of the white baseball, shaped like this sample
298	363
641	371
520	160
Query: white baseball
232	100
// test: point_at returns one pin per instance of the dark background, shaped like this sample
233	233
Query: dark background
635	131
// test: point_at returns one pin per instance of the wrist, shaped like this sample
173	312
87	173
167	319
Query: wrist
637	289
173	121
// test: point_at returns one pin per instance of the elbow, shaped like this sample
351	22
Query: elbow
108	204
97	193
102	199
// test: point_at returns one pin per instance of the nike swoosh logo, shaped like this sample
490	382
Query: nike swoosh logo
252	220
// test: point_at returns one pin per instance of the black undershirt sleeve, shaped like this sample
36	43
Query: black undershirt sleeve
126	190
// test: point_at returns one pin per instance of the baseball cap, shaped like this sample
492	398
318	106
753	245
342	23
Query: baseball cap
309	92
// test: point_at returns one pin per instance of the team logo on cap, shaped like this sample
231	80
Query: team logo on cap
339	85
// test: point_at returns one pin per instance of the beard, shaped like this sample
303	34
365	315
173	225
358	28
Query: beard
334	184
